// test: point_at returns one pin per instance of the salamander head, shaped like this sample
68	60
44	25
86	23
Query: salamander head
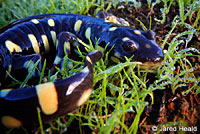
141	46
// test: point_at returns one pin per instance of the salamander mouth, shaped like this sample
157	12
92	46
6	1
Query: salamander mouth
150	65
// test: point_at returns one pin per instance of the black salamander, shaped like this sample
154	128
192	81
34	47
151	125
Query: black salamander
35	37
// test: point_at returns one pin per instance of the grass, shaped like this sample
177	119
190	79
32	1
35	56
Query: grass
11	11
118	89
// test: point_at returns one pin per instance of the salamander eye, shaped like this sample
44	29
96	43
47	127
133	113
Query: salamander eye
130	46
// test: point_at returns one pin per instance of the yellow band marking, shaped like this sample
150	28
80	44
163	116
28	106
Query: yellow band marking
112	28
56	44
51	22
88	59
11	122
57	60
85	95
67	46
88	33
35	21
12	46
4	92
9	68
48	98
34	43
29	65
46	43
125	39
53	36
137	32
77	25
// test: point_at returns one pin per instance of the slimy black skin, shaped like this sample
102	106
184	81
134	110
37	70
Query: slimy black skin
49	36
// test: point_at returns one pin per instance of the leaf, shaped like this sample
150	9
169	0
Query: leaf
114	69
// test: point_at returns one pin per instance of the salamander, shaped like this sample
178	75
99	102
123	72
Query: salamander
52	36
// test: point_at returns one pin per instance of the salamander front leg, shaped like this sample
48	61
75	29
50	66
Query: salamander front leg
63	47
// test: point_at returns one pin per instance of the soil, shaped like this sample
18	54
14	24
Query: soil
168	107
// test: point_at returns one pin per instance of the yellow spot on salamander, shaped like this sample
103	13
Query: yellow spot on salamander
56	44
67	46
48	98
85	95
12	46
88	59
11	122
112	28
57	60
125	39
88	33
77	25
34	43
4	92
29	65
9	68
46	43
53	36
137	32
51	22
35	21
147	46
